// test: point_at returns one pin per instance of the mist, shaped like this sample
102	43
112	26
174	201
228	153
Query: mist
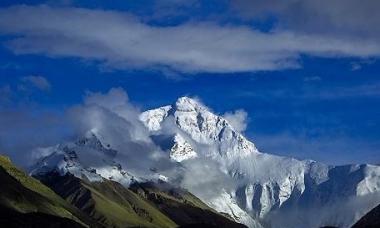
332	214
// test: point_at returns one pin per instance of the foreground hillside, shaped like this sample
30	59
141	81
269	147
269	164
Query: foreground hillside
108	202
13	219
143	205
23	198
73	202
181	206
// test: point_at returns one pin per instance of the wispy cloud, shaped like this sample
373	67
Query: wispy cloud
121	41
312	79
358	65
36	81
319	93
365	90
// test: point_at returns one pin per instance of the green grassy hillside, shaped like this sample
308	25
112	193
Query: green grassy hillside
25	194
108	202
66	201
181	206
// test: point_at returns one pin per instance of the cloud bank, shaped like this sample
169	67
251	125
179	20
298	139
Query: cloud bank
121	41
25	129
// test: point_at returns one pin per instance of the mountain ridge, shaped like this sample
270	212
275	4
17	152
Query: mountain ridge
25	197
254	188
59	199
289	182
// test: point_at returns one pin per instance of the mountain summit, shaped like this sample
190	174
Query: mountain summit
220	166
268	188
196	122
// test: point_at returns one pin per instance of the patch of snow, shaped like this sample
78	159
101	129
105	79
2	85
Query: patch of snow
225	203
181	149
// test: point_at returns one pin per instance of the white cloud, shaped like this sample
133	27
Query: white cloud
110	114
238	119
116	101
121	41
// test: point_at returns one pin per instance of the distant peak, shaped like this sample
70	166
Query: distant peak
95	140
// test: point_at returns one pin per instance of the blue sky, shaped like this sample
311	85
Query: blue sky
311	90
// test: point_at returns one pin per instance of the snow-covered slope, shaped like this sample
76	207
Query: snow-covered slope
86	158
197	122
269	187
224	169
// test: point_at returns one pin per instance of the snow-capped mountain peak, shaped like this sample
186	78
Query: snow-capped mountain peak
88	157
201	125
187	104
269	185
255	188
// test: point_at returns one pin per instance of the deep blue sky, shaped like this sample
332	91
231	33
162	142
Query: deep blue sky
326	109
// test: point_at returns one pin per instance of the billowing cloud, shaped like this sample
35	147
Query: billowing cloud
23	129
121	41
238	119
117	101
113	118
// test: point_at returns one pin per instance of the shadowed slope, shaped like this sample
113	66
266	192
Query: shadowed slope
107	202
181	206
13	219
21	193
370	220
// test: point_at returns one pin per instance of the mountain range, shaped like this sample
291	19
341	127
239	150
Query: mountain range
204	173
55	200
